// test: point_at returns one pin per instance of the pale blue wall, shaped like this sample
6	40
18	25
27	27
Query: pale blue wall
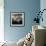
43	6
29	7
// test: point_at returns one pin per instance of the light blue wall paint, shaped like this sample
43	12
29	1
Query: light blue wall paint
43	6
27	6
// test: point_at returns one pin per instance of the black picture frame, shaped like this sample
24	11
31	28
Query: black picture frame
17	19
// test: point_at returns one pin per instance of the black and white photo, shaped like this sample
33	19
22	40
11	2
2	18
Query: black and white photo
17	18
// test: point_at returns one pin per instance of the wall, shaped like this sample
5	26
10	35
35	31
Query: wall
43	6
1	20
30	7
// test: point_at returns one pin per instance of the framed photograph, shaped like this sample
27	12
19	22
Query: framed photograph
17	19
